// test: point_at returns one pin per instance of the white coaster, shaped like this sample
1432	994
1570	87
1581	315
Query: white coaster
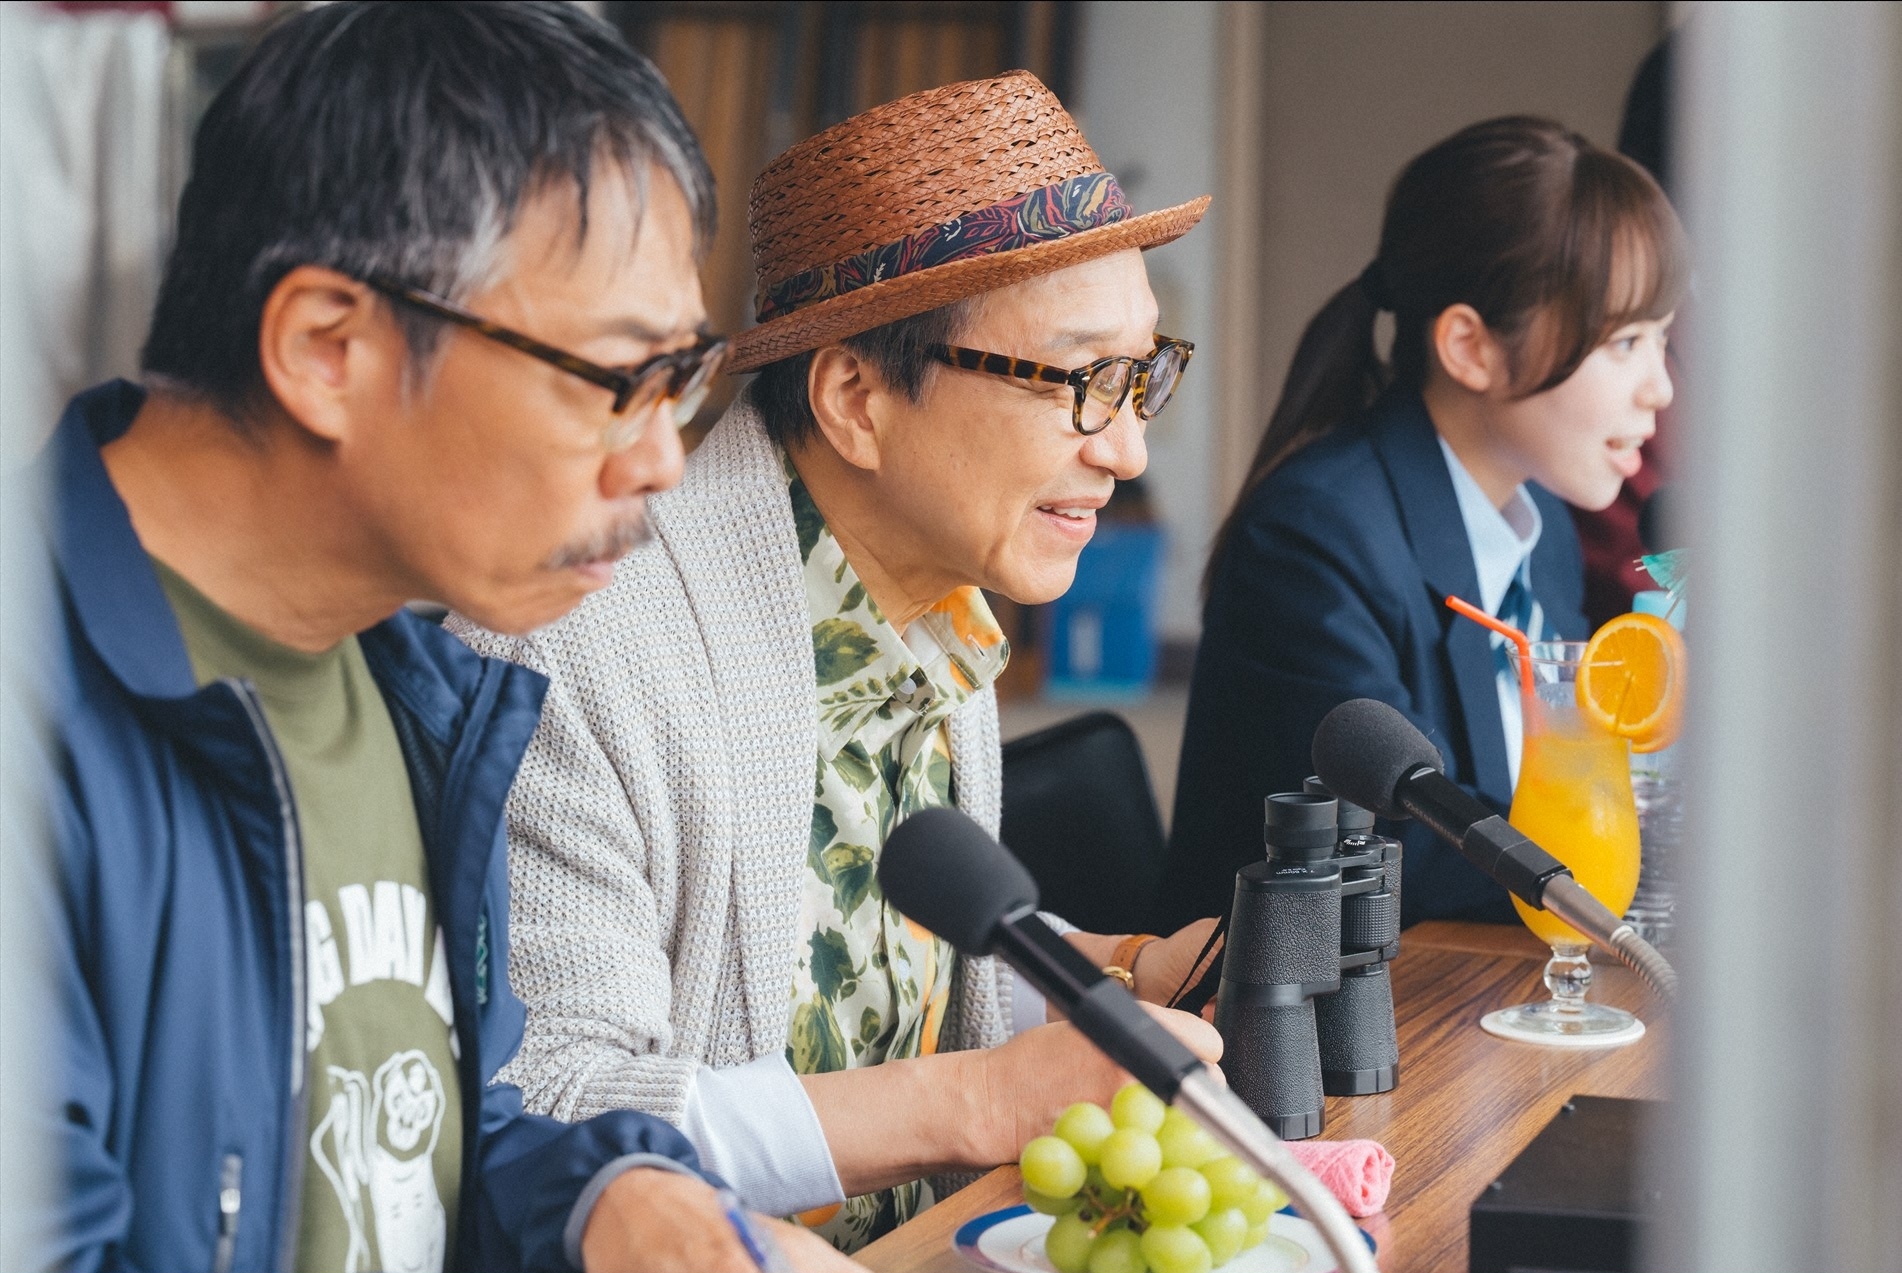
1501	1024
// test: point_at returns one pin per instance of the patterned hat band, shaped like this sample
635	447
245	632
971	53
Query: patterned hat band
1036	216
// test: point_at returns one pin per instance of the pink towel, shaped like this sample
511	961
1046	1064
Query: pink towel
1358	1172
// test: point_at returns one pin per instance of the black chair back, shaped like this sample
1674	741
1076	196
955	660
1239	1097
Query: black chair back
1079	813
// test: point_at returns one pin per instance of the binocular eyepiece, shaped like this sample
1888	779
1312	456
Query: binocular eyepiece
1305	1008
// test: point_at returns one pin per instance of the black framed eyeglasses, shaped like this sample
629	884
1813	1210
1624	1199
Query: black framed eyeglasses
677	381
1101	387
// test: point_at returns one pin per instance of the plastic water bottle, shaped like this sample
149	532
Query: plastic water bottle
1657	782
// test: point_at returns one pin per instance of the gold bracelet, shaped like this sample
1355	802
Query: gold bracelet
1122	964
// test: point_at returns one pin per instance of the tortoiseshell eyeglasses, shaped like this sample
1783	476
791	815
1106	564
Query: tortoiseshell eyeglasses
1101	387
676	382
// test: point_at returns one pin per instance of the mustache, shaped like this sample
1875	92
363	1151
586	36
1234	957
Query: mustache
612	544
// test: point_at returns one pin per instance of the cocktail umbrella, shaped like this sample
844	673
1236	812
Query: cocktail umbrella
1671	570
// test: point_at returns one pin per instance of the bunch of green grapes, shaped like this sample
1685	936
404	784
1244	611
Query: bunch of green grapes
1140	1187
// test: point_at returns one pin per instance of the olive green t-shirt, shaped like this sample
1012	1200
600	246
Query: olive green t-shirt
385	1134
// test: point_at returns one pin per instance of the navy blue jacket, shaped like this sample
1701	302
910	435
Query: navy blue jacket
1334	587
172	903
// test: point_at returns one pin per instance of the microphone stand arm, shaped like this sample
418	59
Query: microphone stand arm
1567	898
1223	1115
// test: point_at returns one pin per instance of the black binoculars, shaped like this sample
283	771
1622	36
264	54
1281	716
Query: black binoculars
1305	1008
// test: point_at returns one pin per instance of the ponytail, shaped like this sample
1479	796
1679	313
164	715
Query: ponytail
1336	374
1517	217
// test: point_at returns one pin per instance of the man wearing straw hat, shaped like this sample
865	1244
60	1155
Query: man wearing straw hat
958	353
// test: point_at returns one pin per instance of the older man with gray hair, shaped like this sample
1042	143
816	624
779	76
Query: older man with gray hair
958	353
430	319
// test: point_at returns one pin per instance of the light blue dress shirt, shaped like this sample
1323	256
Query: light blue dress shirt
1502	540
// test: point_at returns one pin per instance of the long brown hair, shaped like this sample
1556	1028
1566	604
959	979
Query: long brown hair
1556	243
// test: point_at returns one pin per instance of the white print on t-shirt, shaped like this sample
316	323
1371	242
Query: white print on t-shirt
383	934
376	1145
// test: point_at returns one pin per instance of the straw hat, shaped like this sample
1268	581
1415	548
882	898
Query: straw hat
927	200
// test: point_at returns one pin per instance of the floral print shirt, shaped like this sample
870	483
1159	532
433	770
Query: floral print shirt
869	985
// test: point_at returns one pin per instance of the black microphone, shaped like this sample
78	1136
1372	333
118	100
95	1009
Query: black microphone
1371	754
944	871
1367	752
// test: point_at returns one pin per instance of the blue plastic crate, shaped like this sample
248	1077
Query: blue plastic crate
1102	633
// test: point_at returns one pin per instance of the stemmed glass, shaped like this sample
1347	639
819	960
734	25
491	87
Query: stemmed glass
1574	798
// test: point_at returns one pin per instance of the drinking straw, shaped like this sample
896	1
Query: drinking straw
1506	630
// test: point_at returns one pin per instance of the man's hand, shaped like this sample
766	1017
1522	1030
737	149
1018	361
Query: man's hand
653	1221
1024	1084
1163	968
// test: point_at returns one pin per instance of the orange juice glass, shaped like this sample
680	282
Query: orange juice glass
1574	799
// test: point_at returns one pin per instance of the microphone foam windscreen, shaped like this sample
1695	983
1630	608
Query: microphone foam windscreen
944	871
1364	748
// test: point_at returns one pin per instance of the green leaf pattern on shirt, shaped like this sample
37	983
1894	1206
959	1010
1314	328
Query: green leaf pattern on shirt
869	986
815	1037
840	647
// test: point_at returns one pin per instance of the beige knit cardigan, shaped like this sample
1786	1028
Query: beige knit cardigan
659	824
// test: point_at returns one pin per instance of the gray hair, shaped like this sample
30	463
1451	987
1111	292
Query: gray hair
400	141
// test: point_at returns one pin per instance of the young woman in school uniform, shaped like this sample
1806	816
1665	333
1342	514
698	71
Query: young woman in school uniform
1531	277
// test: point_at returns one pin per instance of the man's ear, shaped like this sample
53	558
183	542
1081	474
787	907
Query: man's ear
844	391
325	345
1467	350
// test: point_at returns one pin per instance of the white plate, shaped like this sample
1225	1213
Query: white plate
1011	1241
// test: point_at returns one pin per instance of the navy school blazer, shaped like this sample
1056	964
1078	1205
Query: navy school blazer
1333	587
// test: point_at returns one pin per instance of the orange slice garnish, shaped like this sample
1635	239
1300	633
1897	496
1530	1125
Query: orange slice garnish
1632	680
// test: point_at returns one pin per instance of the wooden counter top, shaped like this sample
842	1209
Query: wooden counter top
1466	1105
